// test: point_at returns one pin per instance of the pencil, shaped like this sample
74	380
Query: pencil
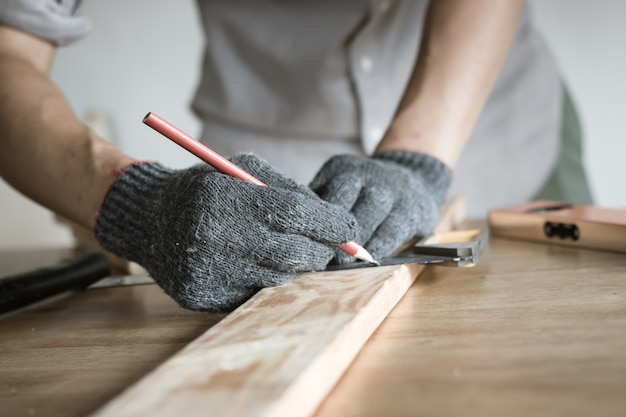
222	164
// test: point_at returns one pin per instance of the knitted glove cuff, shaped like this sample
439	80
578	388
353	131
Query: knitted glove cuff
124	221
437	175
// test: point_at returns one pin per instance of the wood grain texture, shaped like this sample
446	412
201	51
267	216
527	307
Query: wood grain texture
70	355
279	354
532	330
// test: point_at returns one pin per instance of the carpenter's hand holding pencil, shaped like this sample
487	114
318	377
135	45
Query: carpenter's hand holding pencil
211	240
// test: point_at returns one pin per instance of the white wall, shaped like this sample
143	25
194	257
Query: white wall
142	58
139	58
588	39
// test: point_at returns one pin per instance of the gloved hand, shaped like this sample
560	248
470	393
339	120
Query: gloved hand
394	195
210	240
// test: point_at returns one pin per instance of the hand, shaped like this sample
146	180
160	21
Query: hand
210	240
394	195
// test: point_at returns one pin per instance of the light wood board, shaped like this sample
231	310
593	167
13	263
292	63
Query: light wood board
531	330
70	355
279	354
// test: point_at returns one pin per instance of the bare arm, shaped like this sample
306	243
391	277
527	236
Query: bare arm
462	50
45	151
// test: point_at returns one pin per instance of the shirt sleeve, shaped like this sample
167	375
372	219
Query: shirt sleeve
58	21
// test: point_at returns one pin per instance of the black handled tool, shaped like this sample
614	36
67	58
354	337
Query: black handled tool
76	273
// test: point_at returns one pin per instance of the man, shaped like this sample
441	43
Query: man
388	92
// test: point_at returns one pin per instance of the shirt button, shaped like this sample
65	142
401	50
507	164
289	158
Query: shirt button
376	134
366	63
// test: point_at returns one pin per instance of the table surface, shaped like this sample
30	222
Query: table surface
531	330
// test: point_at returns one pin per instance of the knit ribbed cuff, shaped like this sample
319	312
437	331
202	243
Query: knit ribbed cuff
124	221
437	175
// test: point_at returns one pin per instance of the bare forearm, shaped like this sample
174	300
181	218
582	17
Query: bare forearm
46	153
462	50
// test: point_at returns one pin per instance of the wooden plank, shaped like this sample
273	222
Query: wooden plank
69	356
280	353
532	330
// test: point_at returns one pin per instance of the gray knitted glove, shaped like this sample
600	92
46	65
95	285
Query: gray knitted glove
394	195
211	241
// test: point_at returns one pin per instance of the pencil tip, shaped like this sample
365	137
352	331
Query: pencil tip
364	255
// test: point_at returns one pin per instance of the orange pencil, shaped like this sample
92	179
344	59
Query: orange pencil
222	164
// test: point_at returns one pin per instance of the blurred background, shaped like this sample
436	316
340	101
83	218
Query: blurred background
119	73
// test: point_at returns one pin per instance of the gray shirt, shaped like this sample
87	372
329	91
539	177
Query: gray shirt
298	82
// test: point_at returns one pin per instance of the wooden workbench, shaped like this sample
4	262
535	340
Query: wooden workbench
532	330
